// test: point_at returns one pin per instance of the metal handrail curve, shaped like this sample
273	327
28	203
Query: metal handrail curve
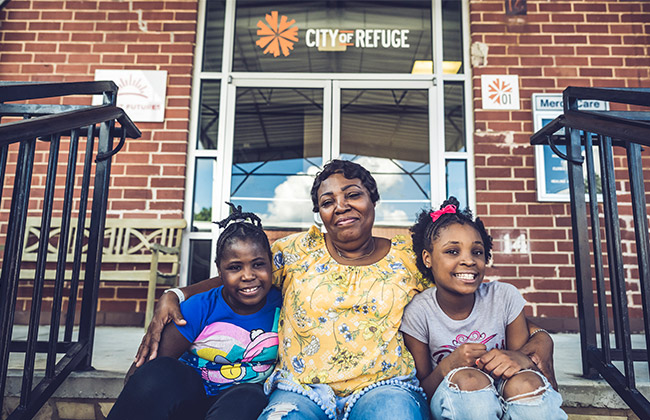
46	125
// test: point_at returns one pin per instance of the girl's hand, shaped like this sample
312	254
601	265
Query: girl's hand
504	363
465	355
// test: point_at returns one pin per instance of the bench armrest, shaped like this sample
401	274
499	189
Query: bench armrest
164	249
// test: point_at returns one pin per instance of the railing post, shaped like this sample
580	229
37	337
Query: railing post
584	288
59	279
79	233
4	151
597	247
639	210
39	279
95	241
13	253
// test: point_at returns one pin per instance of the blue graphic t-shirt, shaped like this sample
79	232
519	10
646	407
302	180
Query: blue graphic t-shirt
228	348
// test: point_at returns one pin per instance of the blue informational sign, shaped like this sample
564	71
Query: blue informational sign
551	170
555	168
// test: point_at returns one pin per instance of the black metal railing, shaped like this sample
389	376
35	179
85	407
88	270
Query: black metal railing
56	124
608	132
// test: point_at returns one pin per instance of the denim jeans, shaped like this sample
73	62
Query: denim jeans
450	403
386	402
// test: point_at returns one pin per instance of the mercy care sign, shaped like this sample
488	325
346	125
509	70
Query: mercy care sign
550	169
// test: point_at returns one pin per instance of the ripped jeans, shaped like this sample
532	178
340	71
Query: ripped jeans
450	403
386	402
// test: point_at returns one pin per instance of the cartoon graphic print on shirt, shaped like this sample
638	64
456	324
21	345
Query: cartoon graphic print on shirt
225	354
473	337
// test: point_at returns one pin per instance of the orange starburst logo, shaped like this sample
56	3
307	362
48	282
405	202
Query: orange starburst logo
276	37
497	88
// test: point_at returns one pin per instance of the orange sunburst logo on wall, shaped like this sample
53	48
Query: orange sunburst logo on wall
276	37
497	88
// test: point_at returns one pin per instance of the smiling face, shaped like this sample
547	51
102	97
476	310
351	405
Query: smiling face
457	260
245	270
347	211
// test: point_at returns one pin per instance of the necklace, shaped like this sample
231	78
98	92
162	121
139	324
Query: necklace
338	251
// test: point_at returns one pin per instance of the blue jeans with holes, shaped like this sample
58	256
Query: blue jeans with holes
450	403
386	402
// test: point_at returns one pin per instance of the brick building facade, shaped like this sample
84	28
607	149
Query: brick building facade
555	44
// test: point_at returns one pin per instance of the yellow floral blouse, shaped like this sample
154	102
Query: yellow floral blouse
339	324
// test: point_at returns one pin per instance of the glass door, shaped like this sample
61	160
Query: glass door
280	133
283	131
387	127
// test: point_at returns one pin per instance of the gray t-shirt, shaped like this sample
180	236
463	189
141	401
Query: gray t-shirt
496	305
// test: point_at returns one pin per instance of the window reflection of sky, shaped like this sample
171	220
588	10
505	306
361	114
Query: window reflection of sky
280	191
457	181
203	187
258	179
403	186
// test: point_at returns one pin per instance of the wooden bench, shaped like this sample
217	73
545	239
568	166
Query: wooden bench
133	251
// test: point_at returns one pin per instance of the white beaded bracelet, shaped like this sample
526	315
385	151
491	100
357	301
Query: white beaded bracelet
533	333
181	296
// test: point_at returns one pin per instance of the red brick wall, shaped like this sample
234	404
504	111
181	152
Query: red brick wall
557	44
63	41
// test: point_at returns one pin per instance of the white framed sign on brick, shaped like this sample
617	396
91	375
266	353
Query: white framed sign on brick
500	91
141	93
550	170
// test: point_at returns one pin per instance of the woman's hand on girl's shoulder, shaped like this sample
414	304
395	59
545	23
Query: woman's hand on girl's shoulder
540	350
504	363
167	310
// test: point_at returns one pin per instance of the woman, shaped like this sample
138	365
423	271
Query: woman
341	354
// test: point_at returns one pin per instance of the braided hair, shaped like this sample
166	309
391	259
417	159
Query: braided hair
426	230
241	225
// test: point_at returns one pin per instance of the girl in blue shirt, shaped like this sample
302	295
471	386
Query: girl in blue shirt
214	366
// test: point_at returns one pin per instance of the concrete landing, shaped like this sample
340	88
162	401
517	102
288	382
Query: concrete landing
115	349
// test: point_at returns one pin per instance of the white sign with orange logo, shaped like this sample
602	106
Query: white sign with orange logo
500	91
141	92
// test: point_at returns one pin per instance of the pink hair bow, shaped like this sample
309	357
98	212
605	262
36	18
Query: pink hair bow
435	215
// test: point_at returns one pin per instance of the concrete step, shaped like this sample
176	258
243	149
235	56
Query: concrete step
93	392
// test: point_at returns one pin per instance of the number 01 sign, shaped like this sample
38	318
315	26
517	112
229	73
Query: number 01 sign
500	92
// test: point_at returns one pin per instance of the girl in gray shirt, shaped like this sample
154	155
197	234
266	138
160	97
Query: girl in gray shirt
465	334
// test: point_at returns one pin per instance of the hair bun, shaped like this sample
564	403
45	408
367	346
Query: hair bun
450	201
237	215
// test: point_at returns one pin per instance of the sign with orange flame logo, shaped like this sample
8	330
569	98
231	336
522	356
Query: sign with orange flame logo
276	37
500	91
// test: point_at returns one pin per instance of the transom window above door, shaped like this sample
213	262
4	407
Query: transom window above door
332	37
